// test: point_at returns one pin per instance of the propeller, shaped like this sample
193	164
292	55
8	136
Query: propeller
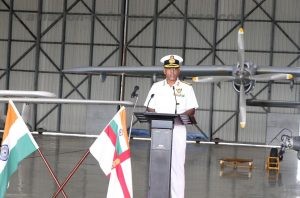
241	60
243	77
242	101
268	77
241	49
211	79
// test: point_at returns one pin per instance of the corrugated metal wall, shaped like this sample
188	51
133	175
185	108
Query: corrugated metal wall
203	32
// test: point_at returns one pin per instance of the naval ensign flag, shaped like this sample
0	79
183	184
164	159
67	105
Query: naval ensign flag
111	149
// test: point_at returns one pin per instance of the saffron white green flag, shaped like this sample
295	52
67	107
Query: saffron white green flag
111	149
17	144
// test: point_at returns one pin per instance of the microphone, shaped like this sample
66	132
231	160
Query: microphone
135	89
175	100
152	95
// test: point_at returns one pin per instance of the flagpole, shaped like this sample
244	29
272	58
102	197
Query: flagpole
51	171
72	173
129	136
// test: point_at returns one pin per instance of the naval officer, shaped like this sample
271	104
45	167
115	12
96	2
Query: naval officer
174	96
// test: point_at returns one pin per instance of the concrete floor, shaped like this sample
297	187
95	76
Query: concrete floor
204	177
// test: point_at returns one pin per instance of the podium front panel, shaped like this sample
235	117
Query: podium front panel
160	163
162	124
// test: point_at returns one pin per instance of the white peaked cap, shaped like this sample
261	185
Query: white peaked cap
176	57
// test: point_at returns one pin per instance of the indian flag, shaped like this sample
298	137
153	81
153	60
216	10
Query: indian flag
17	144
111	149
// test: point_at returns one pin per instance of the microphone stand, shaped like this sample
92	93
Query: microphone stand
129	136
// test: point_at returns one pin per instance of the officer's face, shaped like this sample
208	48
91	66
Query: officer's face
171	74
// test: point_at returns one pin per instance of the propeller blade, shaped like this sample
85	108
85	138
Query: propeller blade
211	79
267	77
241	48
242	106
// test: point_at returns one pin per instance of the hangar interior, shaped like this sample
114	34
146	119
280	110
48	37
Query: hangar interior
40	38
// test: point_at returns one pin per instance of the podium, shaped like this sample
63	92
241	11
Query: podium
162	125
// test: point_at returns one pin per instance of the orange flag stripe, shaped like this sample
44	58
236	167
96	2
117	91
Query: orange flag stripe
123	123
10	119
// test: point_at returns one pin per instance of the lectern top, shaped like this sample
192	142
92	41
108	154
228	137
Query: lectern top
148	116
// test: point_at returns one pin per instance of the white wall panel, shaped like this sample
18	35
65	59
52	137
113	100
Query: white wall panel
78	31
257	36
76	55
74	118
286	60
18	60
50	122
54	34
100	56
141	7
20	31
281	42
171	32
204	39
229	9
26	5
175	9
53	5
134	26
21	80
193	57
103	36
225	98
203	94
104	90
3	53
4	23
50	60
68	89
80	7
258	14
142	54
227	132
202	118
203	8
255	130
288	10
108	6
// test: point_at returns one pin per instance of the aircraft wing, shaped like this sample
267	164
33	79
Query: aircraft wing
186	70
273	103
23	93
295	71
66	101
151	70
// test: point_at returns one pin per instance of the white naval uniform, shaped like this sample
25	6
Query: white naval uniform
163	101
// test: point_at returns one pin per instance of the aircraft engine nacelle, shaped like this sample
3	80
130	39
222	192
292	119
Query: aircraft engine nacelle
244	76
291	143
248	86
295	143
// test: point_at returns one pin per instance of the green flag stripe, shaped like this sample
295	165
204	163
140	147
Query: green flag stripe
115	128
23	148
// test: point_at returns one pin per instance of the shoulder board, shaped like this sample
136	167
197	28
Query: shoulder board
190	84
